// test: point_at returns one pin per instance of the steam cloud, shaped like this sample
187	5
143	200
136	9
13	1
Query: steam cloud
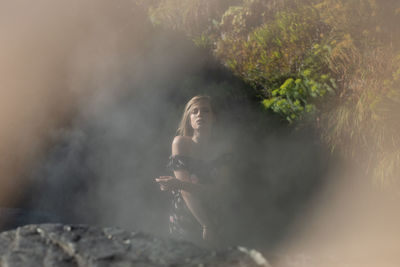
91	96
97	97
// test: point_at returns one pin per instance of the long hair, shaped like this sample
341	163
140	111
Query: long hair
185	129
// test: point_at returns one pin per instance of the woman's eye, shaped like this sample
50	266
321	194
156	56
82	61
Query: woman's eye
202	110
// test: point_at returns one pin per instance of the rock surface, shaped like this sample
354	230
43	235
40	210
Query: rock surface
79	245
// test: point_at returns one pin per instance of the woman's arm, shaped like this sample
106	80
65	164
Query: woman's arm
168	183
192	200
180	146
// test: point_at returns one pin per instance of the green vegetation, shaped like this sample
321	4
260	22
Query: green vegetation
334	64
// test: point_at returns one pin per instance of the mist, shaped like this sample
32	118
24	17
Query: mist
91	97
96	94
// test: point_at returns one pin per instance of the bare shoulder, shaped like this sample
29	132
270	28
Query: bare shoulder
182	145
182	141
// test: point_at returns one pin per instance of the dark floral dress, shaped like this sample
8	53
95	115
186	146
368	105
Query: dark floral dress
182	223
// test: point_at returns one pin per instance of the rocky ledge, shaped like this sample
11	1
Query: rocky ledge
81	245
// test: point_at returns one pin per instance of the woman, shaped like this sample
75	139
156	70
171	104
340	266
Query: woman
198	174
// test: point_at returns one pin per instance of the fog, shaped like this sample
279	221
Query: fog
350	223
91	97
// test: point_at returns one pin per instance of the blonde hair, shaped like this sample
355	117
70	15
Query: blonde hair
185	129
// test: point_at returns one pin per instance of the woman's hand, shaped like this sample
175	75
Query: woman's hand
168	183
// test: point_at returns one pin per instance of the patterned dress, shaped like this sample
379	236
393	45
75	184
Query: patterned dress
182	223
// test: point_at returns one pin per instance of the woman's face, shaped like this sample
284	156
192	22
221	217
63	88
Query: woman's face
201	115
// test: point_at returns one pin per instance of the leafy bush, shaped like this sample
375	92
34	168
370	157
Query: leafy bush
332	61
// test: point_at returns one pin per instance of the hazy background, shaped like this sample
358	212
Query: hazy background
91	96
94	95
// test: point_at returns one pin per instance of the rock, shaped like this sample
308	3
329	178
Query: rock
80	245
